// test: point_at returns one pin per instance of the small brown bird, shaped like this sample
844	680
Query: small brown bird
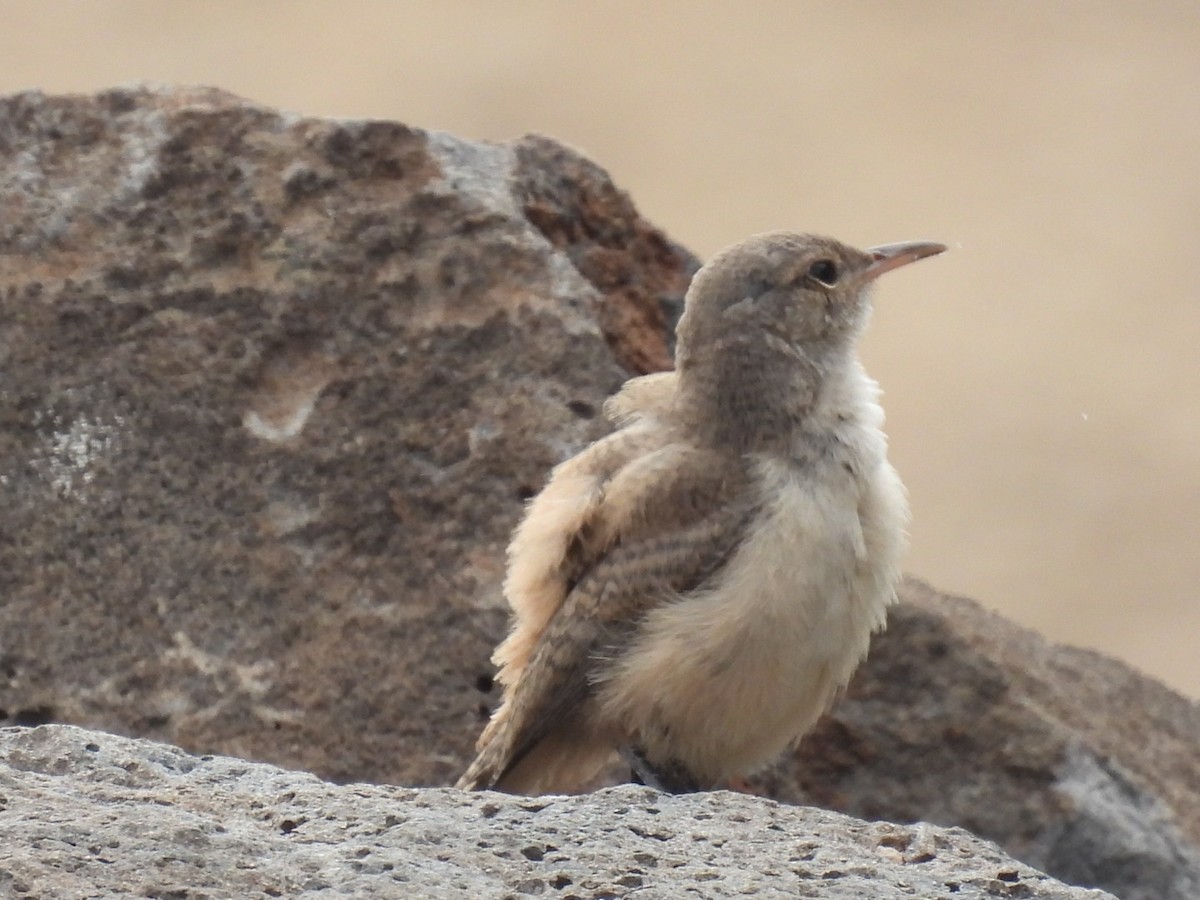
694	589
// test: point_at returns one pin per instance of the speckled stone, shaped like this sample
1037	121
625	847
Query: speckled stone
92	815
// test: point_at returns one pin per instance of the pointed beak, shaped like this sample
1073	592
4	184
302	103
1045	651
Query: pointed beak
893	256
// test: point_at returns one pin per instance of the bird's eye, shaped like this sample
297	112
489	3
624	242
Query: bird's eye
825	271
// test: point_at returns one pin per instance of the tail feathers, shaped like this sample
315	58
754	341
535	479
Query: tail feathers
558	764
483	773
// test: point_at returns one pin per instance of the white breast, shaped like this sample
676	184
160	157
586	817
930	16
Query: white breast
724	680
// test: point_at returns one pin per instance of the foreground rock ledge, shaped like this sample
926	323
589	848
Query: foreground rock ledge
87	814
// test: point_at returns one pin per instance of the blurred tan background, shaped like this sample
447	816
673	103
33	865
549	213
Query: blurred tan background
1042	380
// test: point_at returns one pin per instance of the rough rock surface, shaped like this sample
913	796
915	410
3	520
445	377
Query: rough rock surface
272	390
86	814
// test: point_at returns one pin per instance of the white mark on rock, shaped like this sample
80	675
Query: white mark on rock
480	435
481	171
1114	810
250	679
284	517
72	448
280	429
286	395
141	153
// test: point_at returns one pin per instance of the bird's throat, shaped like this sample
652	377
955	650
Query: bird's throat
750	401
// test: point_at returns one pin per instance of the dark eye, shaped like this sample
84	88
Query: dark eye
824	271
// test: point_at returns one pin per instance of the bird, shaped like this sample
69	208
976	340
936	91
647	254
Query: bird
693	590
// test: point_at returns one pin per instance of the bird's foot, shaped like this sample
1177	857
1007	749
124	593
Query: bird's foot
671	778
740	785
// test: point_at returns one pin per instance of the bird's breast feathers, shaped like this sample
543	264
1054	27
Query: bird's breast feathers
737	670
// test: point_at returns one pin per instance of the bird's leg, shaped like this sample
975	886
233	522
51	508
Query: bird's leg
671	778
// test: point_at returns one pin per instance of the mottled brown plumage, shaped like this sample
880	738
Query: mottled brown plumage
694	589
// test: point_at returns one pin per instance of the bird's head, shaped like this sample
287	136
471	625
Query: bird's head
787	293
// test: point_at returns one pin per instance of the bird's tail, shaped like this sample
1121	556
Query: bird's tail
483	772
560	763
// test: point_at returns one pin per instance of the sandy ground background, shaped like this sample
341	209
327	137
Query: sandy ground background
1042	380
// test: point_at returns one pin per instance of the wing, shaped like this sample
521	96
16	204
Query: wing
663	524
563	532
644	397
561	536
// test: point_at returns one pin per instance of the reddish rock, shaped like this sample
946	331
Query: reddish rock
88	814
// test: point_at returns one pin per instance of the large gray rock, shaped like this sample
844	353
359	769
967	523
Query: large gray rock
272	390
91	815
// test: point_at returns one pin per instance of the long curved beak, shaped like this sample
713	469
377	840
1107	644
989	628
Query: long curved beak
893	256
